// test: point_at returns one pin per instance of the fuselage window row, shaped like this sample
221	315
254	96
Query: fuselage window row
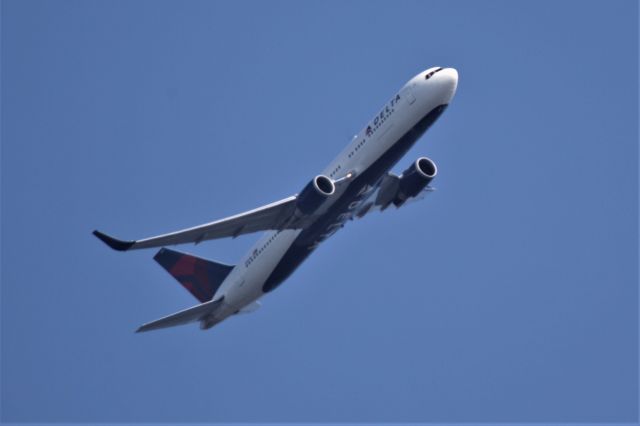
352	153
258	252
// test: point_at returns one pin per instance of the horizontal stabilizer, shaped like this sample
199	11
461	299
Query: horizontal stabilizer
186	316
201	277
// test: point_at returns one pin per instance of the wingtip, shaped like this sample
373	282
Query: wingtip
114	243
147	326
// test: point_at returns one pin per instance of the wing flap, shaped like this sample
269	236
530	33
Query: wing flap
386	195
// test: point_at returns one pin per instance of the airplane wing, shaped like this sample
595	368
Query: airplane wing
386	194
272	216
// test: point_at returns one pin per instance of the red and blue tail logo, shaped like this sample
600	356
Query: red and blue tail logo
201	277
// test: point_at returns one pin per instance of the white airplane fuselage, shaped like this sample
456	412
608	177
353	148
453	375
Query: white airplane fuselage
361	166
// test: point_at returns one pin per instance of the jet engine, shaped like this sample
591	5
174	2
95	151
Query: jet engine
415	179
315	193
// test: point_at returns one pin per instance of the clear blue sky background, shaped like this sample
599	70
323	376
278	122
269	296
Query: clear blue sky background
511	294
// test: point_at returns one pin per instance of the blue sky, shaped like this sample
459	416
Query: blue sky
510	294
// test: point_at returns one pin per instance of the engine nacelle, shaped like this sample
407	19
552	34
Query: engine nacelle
315	193
415	179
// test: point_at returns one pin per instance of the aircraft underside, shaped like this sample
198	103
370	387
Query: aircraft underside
317	232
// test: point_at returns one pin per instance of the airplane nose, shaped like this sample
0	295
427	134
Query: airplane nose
447	80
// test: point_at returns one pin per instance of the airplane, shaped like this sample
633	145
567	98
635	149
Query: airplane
357	182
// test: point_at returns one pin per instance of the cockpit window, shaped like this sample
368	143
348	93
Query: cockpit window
429	74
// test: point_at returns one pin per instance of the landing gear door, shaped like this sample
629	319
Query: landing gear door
407	95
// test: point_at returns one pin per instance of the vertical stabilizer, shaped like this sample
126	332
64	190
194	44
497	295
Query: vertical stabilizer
201	277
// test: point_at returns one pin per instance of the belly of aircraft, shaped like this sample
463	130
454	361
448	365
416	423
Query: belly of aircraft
332	220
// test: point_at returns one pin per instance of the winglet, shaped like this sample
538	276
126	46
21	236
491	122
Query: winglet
113	242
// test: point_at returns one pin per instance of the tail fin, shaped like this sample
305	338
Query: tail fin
200	276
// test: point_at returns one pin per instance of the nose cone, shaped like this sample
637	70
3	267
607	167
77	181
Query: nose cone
447	82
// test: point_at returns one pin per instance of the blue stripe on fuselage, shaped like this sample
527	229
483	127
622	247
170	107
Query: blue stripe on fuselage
331	221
